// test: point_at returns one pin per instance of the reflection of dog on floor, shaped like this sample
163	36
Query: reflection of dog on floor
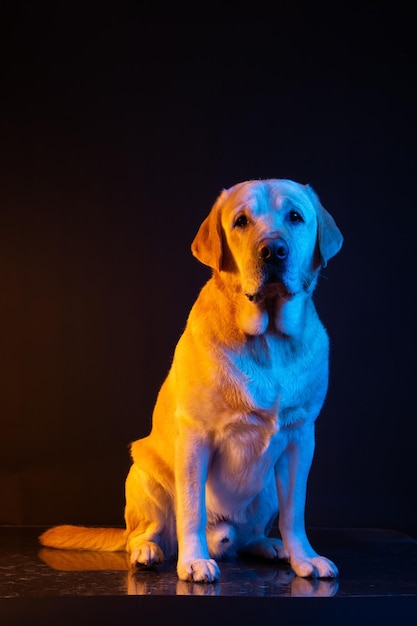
233	426
263	581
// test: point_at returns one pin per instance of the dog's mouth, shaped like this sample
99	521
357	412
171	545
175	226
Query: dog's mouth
272	288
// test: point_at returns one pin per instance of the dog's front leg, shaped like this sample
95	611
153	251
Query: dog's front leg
291	472
192	457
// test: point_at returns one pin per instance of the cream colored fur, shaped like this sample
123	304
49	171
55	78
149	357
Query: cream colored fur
232	437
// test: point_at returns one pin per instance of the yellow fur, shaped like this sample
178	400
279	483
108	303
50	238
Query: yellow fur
233	425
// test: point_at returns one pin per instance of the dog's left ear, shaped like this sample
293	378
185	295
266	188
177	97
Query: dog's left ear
207	246
329	237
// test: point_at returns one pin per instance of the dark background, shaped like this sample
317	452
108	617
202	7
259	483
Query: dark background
120	124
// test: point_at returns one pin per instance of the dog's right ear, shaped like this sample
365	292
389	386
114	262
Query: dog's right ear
207	246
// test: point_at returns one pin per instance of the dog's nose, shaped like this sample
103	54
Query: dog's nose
273	249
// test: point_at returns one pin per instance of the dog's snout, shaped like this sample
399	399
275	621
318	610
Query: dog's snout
273	249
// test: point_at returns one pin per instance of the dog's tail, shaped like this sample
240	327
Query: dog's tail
82	538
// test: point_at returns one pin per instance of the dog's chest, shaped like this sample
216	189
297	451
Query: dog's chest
241	464
282	377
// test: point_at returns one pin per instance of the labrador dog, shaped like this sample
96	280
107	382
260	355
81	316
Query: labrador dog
232	436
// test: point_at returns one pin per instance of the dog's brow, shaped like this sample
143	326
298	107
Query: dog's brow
241	207
288	203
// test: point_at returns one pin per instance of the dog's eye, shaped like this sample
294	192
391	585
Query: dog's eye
241	221
295	217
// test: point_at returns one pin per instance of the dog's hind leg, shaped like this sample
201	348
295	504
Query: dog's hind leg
149	525
263	513
270	548
144	552
264	547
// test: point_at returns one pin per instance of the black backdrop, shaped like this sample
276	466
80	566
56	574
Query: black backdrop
120	124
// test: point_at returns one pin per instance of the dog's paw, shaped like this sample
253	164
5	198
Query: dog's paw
315	567
269	548
146	553
199	571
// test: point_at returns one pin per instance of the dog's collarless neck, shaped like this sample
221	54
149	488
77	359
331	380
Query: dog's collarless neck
279	316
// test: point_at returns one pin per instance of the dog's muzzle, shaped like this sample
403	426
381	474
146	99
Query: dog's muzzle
272	254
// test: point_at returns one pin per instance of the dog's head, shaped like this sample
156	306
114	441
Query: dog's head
270	237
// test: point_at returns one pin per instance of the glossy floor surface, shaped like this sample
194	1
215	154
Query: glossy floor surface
374	565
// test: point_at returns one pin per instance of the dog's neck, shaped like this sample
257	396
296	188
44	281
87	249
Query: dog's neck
284	316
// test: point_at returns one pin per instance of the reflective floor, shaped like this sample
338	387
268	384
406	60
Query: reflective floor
374	565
